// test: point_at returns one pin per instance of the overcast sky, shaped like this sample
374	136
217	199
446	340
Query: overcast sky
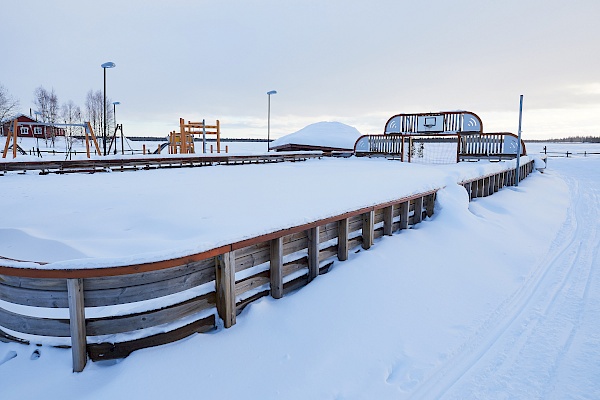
356	62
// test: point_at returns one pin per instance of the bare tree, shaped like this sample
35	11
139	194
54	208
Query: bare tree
8	104
71	113
94	104
47	105
93	109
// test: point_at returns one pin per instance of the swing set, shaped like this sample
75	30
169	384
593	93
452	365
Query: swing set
12	136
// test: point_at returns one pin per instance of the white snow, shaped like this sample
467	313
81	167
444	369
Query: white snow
327	134
497	298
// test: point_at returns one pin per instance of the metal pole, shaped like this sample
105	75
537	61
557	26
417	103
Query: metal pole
519	141
269	126
115	118
203	136
104	134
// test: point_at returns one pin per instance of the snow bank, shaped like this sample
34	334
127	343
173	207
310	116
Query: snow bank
326	134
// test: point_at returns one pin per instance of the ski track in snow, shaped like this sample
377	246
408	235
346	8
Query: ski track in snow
535	343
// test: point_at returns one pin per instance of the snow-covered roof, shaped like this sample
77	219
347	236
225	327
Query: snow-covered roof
325	134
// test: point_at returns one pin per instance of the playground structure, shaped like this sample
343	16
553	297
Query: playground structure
182	142
12	136
444	137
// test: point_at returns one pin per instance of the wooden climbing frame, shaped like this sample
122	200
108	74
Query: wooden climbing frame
182	142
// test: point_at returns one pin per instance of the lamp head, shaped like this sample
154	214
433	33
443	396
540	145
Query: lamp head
108	65
116	102
272	92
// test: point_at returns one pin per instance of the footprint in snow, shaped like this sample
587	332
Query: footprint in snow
9	356
35	355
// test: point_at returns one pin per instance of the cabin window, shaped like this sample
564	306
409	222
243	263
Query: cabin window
24	130
37	131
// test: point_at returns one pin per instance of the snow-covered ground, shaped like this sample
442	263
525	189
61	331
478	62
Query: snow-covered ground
497	298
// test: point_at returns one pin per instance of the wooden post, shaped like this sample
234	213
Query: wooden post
388	220
276	262
418	216
225	286
313	253
6	145
430	204
218	137
15	125
183	144
144	149
77	323
368	229
404	211
402	150
91	133
343	239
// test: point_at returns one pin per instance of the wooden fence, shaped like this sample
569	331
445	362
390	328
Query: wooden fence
232	276
154	162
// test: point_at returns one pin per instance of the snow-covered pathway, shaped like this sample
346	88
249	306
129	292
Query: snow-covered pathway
542	342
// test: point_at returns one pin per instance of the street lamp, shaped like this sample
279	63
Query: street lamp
115	118
104	66
269	121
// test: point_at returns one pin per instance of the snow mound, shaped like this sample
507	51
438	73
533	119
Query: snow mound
326	134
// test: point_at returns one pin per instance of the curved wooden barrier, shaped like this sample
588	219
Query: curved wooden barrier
192	291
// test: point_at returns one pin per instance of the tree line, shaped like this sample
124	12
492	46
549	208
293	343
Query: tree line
583	139
48	109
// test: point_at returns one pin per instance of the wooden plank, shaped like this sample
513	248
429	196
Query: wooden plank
240	305
35	325
295	284
34	298
355	223
6	338
110	351
77	323
328	232
252	282
293	266
367	229
343	239
148	319
327	252
313	253
276	266
35	283
107	325
107	297
225	286
379	215
294	243
418	215
404	209
388	220
254	255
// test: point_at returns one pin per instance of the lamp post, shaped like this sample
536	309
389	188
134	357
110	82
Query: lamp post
115	118
104	66
269	121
